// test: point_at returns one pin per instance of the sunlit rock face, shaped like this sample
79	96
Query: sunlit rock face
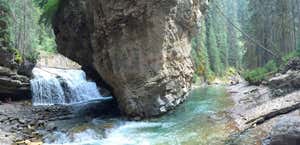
140	48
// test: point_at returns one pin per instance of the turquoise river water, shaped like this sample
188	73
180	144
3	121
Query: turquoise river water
201	120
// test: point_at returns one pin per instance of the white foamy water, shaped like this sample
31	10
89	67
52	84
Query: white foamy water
125	134
58	86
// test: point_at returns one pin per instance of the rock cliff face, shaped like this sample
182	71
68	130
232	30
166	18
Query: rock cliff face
140	48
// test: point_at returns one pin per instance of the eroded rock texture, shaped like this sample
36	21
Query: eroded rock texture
140	48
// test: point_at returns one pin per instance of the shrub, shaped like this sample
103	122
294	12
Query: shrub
271	66
256	76
290	56
33	57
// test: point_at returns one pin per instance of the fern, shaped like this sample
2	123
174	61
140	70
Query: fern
49	8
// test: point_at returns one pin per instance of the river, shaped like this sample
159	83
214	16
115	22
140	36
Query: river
201	120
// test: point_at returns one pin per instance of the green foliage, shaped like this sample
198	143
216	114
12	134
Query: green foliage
4	6
256	76
49	8
200	54
17	55
33	57
46	41
214	57
231	71
290	56
271	66
217	48
28	35
5	22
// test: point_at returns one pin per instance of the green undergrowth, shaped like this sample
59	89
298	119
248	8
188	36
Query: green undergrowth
211	78
258	75
290	56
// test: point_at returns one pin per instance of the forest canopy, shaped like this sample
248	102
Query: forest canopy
252	36
244	35
28	36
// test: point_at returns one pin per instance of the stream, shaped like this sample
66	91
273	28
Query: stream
201	120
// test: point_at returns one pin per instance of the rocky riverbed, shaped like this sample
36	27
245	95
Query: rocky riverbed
20	123
260	113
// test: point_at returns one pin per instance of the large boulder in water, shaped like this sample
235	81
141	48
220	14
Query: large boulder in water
140	48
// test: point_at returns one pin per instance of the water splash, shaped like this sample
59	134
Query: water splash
57	86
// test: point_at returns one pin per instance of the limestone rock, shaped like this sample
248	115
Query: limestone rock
140	48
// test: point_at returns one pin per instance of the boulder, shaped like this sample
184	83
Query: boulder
290	79
139	48
286	83
285	132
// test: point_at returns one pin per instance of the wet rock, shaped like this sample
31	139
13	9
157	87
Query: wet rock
140	48
285	132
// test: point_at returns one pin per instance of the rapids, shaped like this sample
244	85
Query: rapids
52	86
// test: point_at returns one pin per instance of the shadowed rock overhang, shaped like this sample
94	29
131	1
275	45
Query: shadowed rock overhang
140	48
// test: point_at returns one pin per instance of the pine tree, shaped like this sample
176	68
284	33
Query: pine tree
213	53
200	53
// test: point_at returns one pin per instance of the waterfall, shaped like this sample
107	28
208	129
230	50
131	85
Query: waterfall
58	86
